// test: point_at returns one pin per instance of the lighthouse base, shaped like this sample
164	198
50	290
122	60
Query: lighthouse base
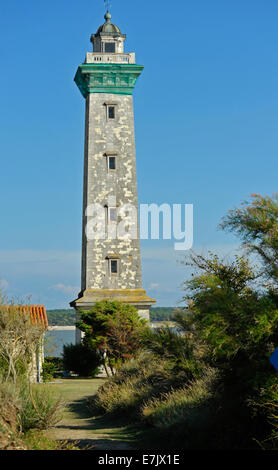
136	297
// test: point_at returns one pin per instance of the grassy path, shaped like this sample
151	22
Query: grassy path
77	424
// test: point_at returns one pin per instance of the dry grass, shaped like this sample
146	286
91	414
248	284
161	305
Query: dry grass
136	382
9	408
180	406
40	407
24	408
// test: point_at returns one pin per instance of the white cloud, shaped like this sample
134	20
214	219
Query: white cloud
153	286
35	270
72	290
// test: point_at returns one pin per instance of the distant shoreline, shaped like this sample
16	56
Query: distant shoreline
61	328
153	324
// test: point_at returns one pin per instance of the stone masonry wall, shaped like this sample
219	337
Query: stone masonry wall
110	135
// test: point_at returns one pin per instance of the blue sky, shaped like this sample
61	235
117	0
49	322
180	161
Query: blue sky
206	117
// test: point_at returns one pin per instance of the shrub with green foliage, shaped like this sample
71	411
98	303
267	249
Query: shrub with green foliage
177	348
238	324
81	360
256	223
48	370
51	367
113	329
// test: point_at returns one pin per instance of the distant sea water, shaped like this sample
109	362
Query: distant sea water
55	340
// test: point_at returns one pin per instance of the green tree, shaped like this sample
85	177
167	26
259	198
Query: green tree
238	326
228	313
257	225
114	329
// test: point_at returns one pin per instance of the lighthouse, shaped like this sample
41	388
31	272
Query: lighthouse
111	258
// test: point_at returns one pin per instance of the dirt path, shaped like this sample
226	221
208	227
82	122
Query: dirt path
77	424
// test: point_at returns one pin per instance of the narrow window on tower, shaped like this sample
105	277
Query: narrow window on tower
112	162
112	214
111	112
114	266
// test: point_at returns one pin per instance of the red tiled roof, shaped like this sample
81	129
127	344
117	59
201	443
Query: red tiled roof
37	313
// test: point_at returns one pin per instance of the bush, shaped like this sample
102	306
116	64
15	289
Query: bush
136	382
81	360
48	370
125	397
114	329
51	367
176	347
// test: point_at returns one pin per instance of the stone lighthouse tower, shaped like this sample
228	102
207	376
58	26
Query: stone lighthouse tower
111	260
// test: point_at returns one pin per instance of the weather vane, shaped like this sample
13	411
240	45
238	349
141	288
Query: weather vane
107	4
